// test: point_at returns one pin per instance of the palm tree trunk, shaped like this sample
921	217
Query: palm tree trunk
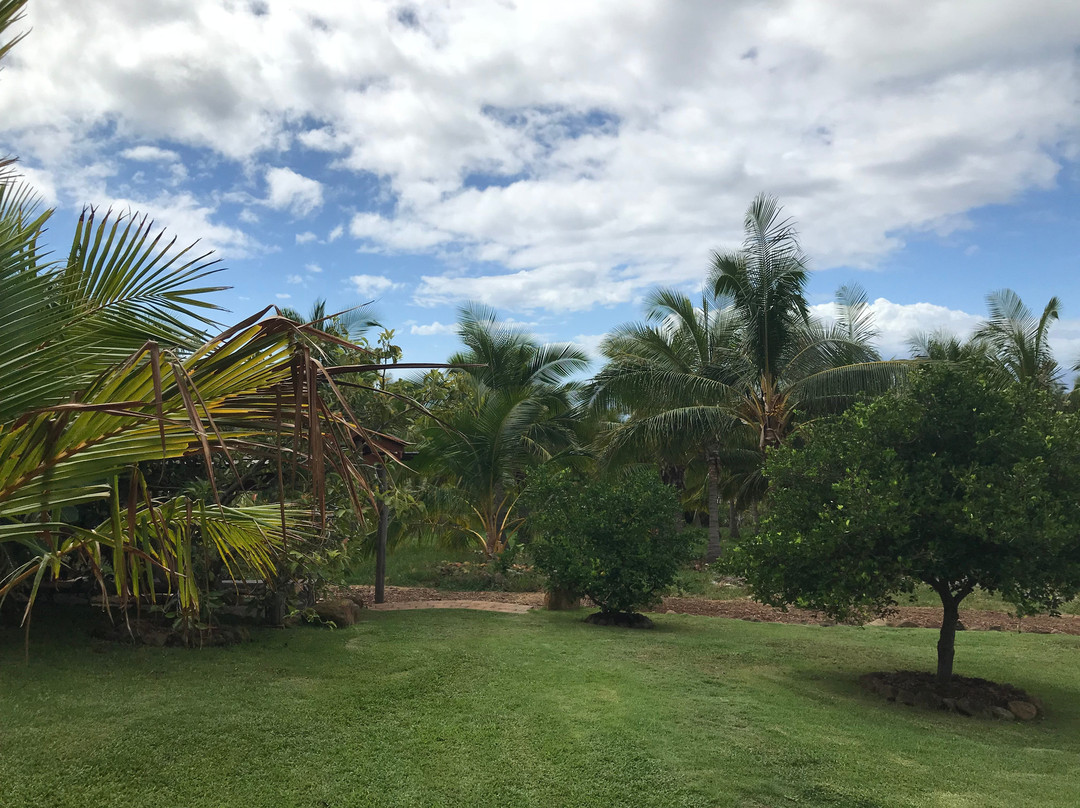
713	495
733	519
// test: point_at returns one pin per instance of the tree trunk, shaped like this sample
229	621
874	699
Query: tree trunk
380	541
733	519
946	647
713	495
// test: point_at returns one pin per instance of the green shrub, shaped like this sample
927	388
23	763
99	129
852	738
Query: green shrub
611	539
509	572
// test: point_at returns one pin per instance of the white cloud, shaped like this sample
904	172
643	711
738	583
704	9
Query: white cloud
306	237
315	268
396	234
515	134
590	344
434	328
568	287
150	154
899	322
282	296
248	216
372	285
293	192
191	220
336	233
294	279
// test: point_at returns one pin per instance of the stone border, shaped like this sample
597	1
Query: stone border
977	698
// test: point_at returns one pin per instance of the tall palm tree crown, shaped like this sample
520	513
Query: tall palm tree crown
723	381
1019	341
789	360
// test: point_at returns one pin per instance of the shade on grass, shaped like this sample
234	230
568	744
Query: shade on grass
448	708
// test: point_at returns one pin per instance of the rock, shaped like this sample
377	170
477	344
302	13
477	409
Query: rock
906	697
1024	710
999	713
960	626
927	700
949	704
881	621
995	627
970	706
827	623
907	624
671	611
622	619
155	638
342	611
889	692
754	619
1038	703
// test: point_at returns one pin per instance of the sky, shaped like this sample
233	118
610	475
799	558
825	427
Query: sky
557	160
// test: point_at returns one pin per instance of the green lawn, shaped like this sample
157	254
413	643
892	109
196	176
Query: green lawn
452	708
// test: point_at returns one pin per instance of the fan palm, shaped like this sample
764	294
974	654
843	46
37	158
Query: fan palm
517	411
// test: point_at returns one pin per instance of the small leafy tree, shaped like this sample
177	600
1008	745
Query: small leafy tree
954	481
612	539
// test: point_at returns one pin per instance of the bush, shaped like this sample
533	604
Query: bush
511	574
611	539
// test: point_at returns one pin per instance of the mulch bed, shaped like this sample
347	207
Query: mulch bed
963	695
745	609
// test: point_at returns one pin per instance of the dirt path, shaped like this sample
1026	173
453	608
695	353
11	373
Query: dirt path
402	597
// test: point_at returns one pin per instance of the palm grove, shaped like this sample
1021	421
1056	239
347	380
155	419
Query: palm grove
152	453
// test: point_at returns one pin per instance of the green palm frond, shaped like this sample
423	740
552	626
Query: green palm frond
11	12
1019	341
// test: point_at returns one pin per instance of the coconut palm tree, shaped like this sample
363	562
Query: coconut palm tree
790	361
695	380
105	364
667	383
103	367
517	411
1019	342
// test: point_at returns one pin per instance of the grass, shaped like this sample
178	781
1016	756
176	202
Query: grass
450	708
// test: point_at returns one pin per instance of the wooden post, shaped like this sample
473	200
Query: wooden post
380	541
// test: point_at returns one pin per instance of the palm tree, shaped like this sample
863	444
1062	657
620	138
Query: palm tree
667	383
789	360
105	365
695	380
517	412
1019	341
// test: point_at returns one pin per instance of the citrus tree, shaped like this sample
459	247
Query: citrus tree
954	481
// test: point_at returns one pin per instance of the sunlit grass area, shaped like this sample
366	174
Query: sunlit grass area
475	709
